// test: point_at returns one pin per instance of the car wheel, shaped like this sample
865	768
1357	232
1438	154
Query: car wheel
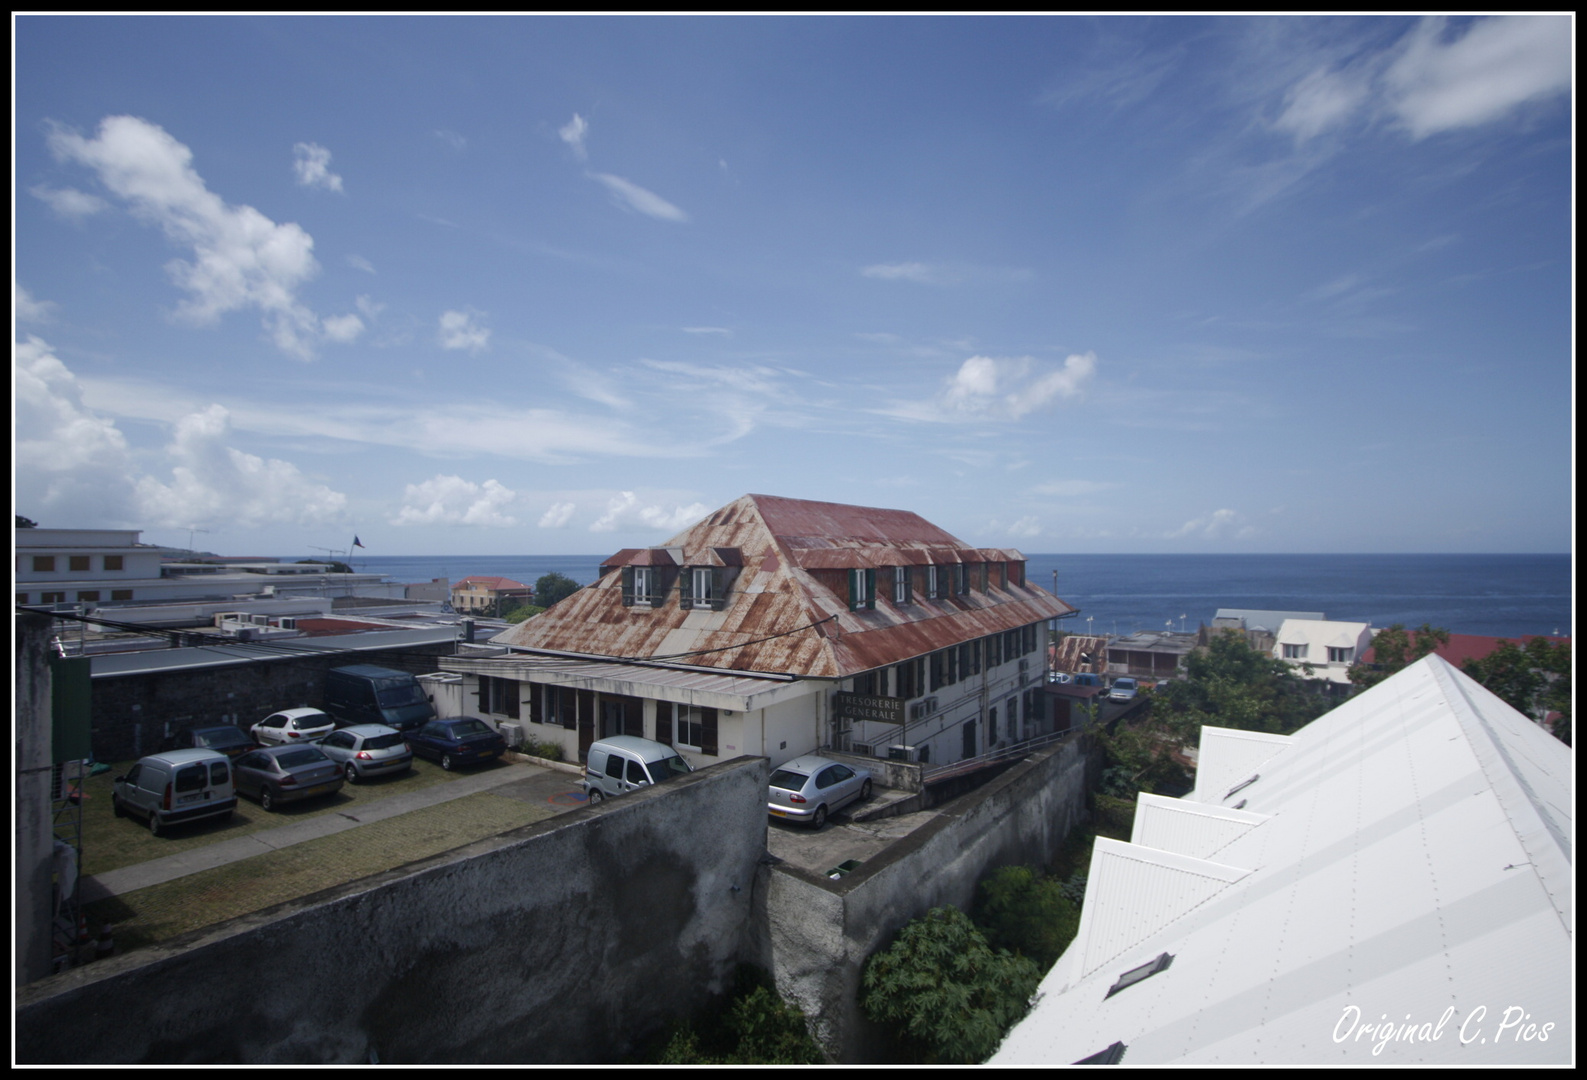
267	800
352	773
819	818
446	762
865	791
154	823
116	807
595	796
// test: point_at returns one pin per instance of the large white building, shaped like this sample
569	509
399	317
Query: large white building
1322	648
776	626
1391	885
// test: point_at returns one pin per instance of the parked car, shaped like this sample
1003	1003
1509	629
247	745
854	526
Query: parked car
176	786
627	763
1123	689
233	742
291	726
457	741
366	750
281	774
1087	678
811	787
369	694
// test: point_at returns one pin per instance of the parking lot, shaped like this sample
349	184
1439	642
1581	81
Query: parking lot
152	888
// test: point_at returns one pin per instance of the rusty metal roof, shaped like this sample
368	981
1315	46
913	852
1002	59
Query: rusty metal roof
783	614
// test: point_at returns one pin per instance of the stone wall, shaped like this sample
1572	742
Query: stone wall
137	713
820	932
34	838
571	940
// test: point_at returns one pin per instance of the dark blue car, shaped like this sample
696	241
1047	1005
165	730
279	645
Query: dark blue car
458	741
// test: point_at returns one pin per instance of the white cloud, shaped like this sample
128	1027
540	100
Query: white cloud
988	387
69	460
706	330
312	165
368	306
242	259
573	133
342	328
625	511
557	516
631	196
451	500
909	271
358	262
461	330
451	138
1214	526
1442	82
1320	101
29	309
1069	488
69	202
213	483
1025	527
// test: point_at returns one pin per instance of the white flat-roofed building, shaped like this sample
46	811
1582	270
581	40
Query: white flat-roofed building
1391	885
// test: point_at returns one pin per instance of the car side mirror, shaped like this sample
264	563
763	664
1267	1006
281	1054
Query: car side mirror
119	779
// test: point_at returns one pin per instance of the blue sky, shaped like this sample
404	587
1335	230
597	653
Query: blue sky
547	285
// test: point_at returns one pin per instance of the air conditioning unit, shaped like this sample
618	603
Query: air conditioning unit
1024	666
259	620
903	753
923	708
862	749
513	733
289	622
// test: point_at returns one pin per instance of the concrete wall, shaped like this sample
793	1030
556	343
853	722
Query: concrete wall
820	932
572	940
133	713
34	834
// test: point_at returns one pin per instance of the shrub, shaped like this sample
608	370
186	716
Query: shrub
1028	913
946	992
550	751
757	1028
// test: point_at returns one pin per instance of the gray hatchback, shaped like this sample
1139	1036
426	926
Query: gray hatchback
366	750
279	774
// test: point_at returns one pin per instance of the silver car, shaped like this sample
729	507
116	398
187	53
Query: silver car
366	750
809	788
280	774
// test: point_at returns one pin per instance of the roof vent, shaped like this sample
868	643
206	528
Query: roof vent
1139	974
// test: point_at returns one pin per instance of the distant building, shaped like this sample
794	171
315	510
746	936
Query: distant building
777	626
1390	885
1149	654
1259	627
1463	647
1326	647
493	595
436	590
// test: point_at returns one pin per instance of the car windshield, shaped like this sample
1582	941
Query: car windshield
383	742
1124	684
465	728
788	781
395	693
306	755
668	767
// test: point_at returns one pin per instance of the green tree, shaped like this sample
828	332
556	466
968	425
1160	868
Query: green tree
524	611
1534	680
1026	912
1393	649
549	588
756	1028
1230	684
26	523
946	992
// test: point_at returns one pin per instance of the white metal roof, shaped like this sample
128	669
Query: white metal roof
1396	891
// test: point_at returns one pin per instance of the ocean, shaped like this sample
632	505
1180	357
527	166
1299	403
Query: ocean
1500	595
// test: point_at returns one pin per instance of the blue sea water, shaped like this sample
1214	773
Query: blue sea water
1501	595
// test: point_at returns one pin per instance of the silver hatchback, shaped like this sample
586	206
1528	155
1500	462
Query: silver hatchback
366	750
809	788
280	774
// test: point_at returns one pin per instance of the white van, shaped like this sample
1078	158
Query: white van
626	763
177	786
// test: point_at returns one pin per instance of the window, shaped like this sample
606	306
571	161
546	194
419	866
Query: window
911	678
77	562
865	683
90	594
499	696
702	586
641	587
961	579
903	592
113	562
862	590
1295	652
1340	656
696	728
933	583
994	650
22	597
43	564
120	594
52	598
991	726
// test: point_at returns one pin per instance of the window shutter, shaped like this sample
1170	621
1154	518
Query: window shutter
586	712
537	714
718	588
708	731
513	690
685	588
567	705
628	586
854	589
634	718
909	585
664	722
659	585
870	589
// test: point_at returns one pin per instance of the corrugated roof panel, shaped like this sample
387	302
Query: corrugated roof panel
1187	828
1229	756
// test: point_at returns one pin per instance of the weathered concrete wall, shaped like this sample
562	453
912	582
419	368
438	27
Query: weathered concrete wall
572	940
132	712
30	731
821	932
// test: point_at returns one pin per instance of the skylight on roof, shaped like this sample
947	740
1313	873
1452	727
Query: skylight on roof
1135	975
1111	1056
1243	784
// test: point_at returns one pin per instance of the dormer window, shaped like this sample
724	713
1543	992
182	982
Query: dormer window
933	583
903	588
641	586
702	588
862	590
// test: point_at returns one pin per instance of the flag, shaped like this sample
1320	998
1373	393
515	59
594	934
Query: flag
357	542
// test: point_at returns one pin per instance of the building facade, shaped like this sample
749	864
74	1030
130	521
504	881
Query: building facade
777	626
483	594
